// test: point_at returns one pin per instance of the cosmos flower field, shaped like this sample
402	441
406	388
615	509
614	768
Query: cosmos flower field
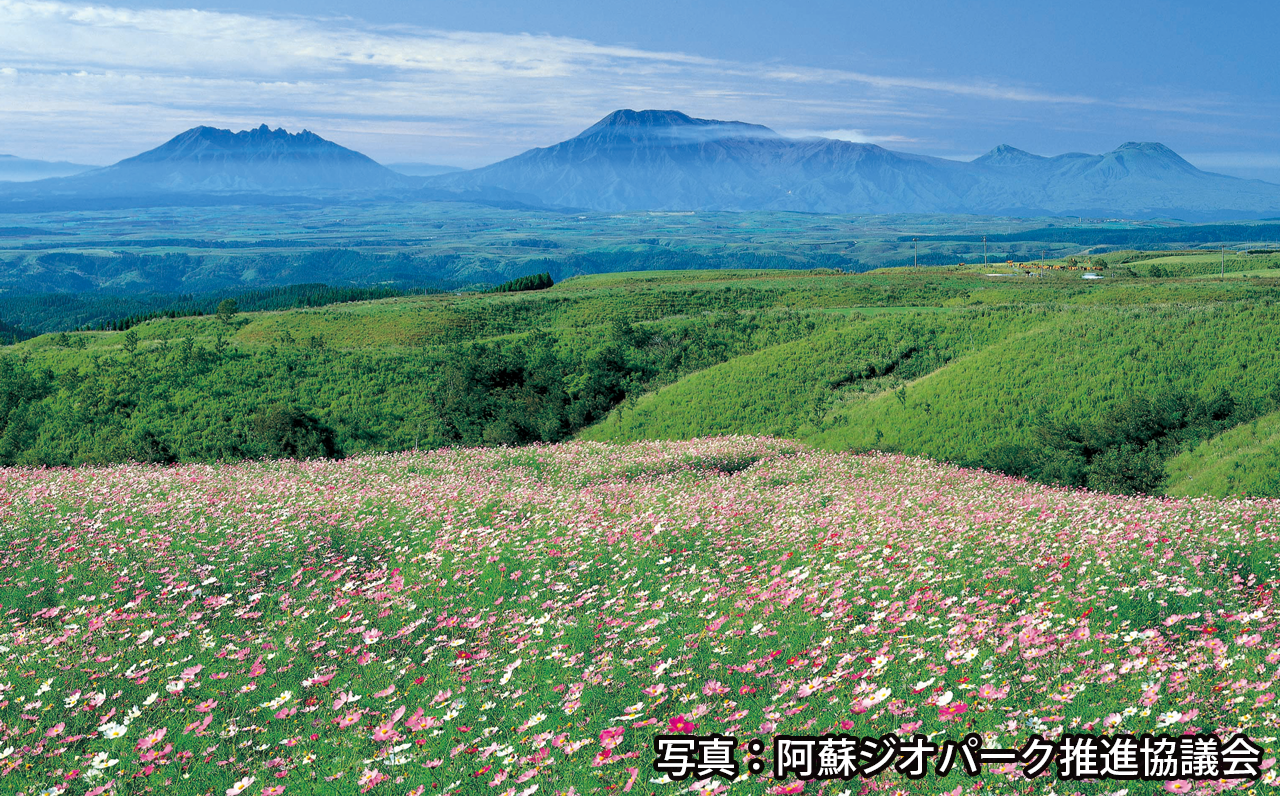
520	621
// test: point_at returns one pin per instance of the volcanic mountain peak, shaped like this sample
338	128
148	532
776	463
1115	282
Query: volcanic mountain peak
672	124
1005	155
202	143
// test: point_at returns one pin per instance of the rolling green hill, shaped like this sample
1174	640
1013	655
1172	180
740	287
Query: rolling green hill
1132	383
1244	460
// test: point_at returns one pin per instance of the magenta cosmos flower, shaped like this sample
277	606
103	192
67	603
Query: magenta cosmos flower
681	724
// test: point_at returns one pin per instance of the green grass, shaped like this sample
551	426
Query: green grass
790	389
1074	365
1242	461
942	362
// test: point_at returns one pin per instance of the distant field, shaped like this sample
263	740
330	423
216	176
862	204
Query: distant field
106	265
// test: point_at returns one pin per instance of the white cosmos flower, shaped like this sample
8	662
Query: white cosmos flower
113	730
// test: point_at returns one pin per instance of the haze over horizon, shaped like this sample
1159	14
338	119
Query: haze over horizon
469	86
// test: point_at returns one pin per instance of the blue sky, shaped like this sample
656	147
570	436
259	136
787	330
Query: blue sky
469	83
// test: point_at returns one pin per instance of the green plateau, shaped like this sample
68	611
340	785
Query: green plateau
1160	377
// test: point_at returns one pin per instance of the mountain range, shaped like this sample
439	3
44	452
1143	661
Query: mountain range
16	169
667	160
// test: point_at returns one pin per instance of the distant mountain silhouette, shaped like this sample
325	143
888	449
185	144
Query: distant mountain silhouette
16	169
666	160
207	160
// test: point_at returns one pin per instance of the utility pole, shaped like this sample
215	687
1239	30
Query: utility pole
1223	249
984	250
915	252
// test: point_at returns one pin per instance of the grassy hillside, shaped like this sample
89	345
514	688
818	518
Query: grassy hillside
1242	461
1035	372
1073	365
790	389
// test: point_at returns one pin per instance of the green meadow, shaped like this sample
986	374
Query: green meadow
1158	377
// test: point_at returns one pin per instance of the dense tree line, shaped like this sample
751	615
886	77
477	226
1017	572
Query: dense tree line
1125	449
532	282
279	298
114	313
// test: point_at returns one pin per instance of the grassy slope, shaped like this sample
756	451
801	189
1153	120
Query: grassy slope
1068	364
1006	354
1242	461
1073	366
787	389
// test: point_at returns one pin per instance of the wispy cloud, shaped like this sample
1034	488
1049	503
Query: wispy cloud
980	89
855	136
99	82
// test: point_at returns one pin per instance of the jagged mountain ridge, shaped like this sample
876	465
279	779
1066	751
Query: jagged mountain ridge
666	160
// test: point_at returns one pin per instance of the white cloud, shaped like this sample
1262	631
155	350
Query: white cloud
99	82
981	89
854	136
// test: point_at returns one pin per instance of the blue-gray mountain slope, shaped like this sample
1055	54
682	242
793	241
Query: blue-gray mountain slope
16	169
666	160
207	160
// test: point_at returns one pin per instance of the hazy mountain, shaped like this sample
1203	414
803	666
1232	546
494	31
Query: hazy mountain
209	161
16	169
666	160
1133	180
421	169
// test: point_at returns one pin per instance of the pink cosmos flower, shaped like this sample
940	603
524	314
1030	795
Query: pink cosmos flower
680	724
989	691
415	722
152	738
369	779
385	733
197	726
952	710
